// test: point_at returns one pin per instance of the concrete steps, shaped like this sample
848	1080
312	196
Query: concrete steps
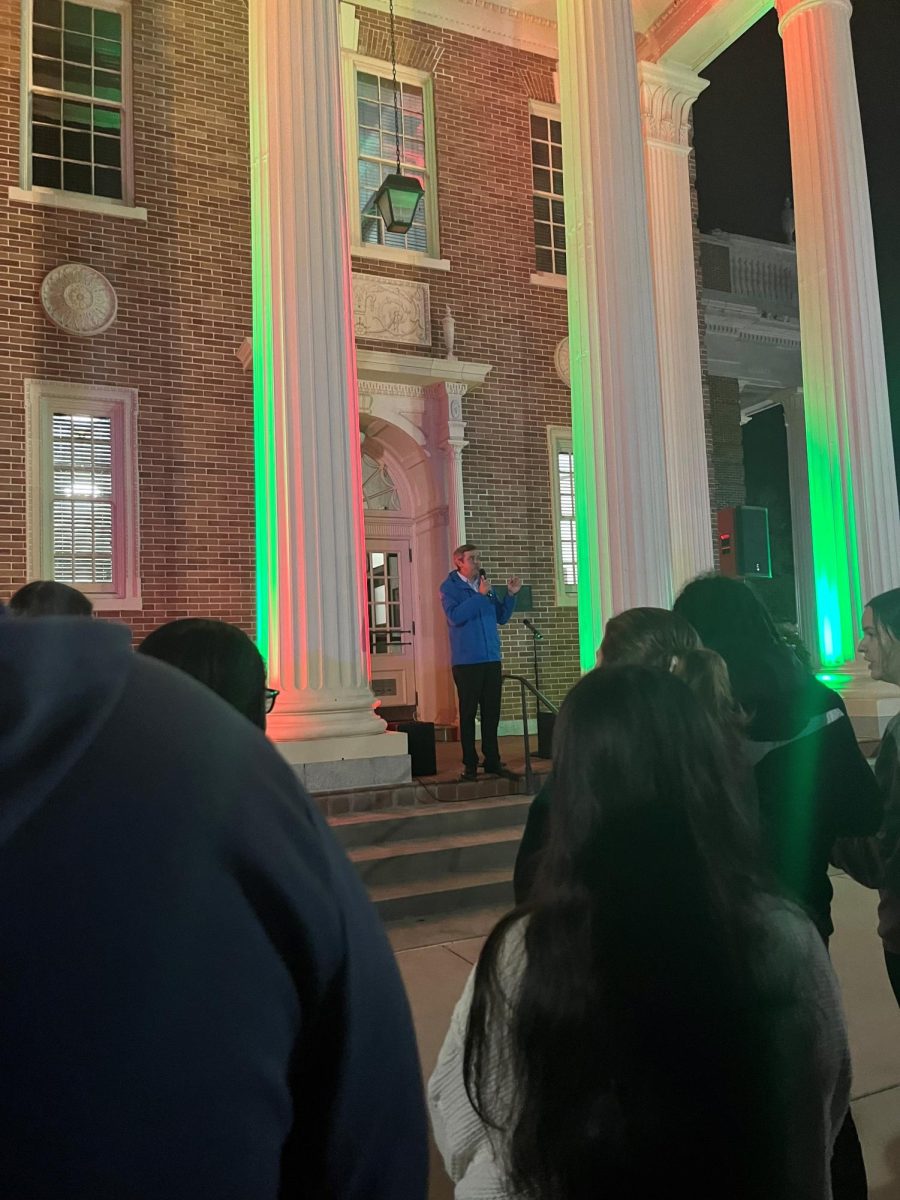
436	859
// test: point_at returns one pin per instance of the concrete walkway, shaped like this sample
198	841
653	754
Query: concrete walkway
435	960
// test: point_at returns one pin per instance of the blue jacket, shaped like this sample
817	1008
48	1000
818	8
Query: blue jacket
473	621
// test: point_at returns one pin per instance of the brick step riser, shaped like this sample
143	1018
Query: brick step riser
432	904
437	864
443	822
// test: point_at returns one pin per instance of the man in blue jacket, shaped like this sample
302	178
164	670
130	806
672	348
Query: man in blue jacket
473	613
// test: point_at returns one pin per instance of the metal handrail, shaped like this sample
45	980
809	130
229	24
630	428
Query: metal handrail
525	686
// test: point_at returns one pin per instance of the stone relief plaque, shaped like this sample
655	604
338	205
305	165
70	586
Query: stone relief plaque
561	361
391	310
79	300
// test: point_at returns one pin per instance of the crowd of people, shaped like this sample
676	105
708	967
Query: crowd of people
196	998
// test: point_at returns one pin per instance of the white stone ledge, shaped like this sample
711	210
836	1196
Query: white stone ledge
406	258
77	203
545	279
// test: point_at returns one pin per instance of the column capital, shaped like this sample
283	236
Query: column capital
668	92
789	9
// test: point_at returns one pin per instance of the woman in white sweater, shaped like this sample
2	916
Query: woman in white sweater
656	1021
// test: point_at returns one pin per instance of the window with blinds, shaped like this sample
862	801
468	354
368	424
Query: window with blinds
82	489
562	479
77	93
82	500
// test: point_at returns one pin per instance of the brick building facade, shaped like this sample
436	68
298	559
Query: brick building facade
183	282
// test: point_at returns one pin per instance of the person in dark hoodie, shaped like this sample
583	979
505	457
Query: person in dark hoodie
812	782
197	998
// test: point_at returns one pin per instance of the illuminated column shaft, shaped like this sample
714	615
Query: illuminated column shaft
853	498
667	94
310	540
620	471
801	525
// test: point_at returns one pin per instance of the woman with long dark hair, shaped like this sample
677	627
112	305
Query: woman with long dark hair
654	1022
647	637
812	783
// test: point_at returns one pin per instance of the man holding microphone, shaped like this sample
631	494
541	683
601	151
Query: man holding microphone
473	614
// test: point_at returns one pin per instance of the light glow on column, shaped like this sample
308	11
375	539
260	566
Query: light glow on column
265	502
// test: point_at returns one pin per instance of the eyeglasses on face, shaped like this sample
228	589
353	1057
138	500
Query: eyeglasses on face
272	695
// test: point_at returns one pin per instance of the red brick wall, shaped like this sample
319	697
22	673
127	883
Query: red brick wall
183	283
481	95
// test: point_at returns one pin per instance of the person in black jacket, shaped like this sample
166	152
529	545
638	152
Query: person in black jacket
813	784
196	997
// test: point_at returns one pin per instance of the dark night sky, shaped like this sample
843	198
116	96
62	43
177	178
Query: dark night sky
743	154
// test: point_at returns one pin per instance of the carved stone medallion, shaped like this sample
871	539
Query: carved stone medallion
561	361
79	299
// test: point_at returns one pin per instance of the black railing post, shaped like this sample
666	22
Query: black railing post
527	738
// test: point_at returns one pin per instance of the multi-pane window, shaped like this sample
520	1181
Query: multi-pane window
82	489
376	124
562	478
77	97
383	584
547	193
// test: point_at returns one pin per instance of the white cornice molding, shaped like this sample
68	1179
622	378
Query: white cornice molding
480	19
410	368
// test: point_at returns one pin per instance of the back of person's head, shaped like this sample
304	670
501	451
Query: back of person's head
734	622
47	598
634	1033
647	637
219	655
886	611
656	637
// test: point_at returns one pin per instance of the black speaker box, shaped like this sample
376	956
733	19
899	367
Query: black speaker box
422	752
545	724
744	550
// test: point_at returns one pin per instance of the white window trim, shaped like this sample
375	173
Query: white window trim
57	197
42	399
353	62
559	437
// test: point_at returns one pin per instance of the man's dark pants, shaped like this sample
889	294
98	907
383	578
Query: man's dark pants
479	685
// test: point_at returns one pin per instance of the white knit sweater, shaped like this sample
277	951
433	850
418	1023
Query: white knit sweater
813	1030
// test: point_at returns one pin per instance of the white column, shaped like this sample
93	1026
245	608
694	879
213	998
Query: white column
853	497
453	447
310	531
667	94
801	531
620	471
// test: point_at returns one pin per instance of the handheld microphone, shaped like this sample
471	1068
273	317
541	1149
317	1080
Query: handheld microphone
482	572
538	636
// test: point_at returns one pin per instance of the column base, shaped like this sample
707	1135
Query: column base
870	703
331	764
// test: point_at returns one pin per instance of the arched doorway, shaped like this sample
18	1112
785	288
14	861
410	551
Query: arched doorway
407	554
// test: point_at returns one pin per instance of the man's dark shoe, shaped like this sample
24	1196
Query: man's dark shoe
502	772
468	777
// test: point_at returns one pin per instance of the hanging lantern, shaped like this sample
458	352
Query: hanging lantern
398	197
397	201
